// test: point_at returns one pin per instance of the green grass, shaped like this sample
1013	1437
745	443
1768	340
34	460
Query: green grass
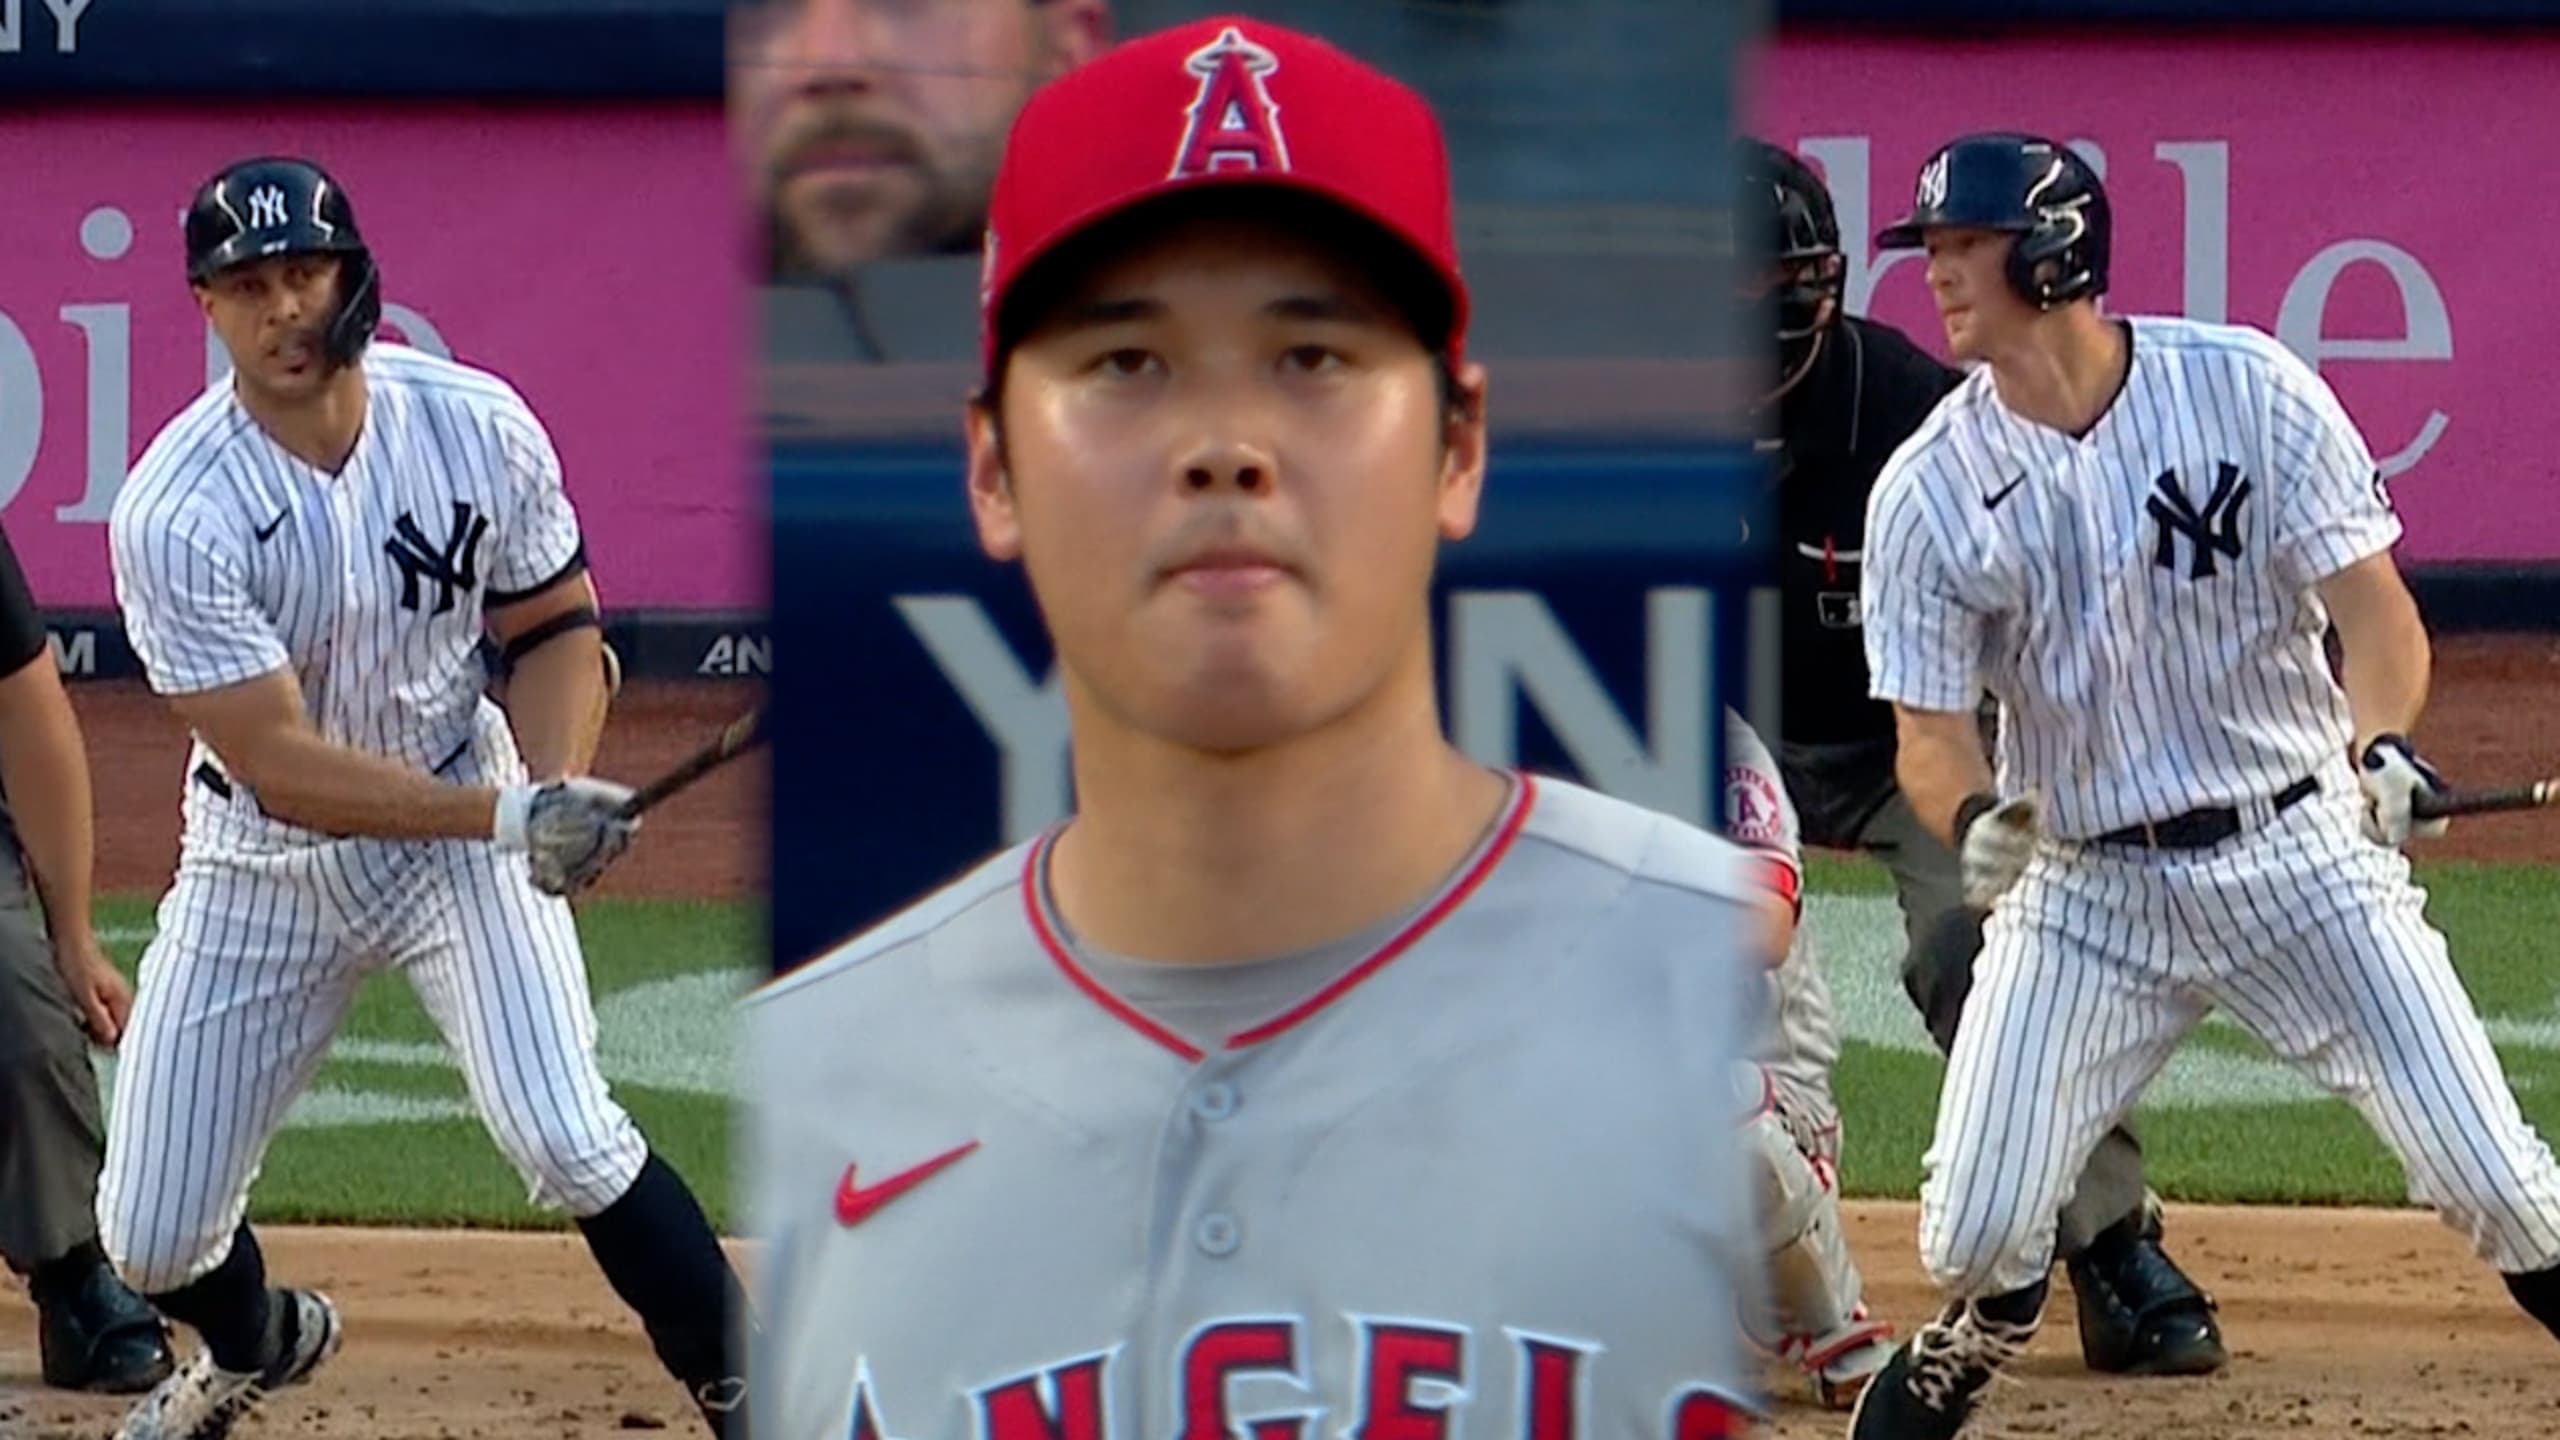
386	1134
386	1137
2226	1121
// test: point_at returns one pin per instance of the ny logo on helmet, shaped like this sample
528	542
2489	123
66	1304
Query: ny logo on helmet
1232	123
266	207
1933	184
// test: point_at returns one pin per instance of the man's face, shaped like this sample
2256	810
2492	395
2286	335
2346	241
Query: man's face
873	127
1227	469
270	315
1968	280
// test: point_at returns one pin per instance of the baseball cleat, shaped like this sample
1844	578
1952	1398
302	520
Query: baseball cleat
2139	1313
1928	1389
1839	1365
201	1400
100	1337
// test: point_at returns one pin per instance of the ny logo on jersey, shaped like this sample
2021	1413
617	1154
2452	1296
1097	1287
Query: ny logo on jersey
1232	123
453	566
2214	529
266	207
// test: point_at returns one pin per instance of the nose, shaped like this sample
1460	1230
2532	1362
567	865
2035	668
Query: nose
1228	463
834	46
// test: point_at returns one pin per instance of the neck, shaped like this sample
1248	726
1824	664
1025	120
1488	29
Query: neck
1176	854
318	429
2066	370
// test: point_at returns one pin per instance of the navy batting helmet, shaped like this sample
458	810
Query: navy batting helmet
1791	211
2028	186
278	206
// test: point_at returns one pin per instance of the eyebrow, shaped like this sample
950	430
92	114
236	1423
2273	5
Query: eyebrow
1318	305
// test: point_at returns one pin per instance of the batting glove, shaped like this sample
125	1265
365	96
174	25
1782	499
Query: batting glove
1994	841
2393	776
569	830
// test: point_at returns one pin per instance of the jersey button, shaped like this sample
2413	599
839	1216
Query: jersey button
1218	1234
1214	1101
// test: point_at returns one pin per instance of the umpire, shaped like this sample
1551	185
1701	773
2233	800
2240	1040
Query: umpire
1848	392
57	994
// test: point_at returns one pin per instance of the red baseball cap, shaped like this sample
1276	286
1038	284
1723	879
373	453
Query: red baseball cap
1226	101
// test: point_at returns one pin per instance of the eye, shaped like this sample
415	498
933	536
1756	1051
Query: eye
1313	359
1127	362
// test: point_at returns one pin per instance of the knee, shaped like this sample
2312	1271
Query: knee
1785	1188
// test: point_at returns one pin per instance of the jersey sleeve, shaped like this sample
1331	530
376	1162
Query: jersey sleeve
21	625
541	545
1758	816
1923	638
2333	509
187	604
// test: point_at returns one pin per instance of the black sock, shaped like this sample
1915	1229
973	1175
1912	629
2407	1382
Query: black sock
2538	1291
657	1251
231	1307
2018	1307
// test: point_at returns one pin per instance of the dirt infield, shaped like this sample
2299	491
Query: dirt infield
707	842
2343	1323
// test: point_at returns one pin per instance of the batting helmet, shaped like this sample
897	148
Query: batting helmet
1792	211
2031	187
278	206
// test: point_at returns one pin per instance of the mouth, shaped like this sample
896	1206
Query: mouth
847	154
1227	571
299	353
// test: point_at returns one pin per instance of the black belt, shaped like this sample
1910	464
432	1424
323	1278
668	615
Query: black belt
2198	829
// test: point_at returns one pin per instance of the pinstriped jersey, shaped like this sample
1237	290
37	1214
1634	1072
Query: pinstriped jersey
2140	598
234	559
1486	1179
1798	1039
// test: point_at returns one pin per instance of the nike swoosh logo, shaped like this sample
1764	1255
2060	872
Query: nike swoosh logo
857	1203
1992	501
272	526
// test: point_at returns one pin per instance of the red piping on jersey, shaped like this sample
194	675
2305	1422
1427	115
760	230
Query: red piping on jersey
1400	942
1127	1013
1404	938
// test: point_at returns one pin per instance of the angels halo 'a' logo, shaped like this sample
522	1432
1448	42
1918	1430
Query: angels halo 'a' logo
1232	122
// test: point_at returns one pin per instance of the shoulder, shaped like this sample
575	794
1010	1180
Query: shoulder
1643	846
178	471
2209	347
429	380
1926	461
887	948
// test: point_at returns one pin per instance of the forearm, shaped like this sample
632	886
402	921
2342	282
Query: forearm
2384	666
1938	761
306	780
556	700
46	775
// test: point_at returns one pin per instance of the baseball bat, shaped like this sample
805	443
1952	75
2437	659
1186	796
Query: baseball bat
2532	795
735	739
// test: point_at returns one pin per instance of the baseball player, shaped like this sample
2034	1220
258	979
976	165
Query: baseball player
1310	1076
1817	1317
58	996
306	558
1849	390
2135	532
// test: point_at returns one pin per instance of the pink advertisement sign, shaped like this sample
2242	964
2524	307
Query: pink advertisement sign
581	253
2369	200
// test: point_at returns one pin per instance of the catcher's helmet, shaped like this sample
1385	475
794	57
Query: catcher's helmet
278	206
1792	210
2034	188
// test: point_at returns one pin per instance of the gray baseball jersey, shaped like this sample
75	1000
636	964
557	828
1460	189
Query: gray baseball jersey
1484	1176
1799	1040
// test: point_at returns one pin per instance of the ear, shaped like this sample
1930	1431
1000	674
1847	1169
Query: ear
1462	457
991	502
1078	30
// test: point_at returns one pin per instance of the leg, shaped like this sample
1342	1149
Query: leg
2072	1012
506	982
1817	1316
94	1332
2347	980
2139	1313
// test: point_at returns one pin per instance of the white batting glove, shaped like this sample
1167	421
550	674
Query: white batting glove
1994	845
2393	776
569	830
